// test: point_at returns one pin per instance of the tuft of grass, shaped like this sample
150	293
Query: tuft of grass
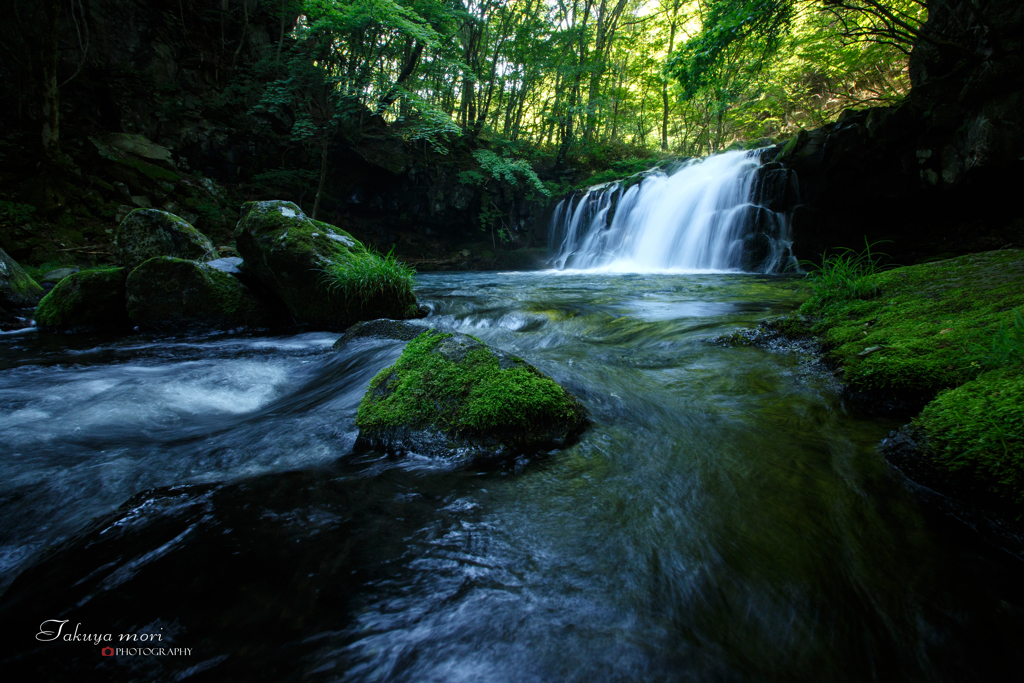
843	276
370	278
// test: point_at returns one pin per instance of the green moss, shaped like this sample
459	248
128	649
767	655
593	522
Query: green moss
87	300
169	293
979	428
915	333
470	395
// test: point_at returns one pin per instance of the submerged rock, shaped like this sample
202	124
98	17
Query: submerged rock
85	301
167	293
17	288
380	329
450	395
324	275
146	233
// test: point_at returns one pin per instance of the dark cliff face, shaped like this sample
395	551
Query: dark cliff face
941	173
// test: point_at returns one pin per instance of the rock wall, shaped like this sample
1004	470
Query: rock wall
936	176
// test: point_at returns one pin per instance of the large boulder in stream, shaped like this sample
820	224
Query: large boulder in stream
324	275
17	288
146	233
85	301
168	294
450	395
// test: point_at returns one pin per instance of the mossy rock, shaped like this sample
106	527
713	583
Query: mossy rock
171	294
17	288
147	233
85	301
324	275
978	428
449	395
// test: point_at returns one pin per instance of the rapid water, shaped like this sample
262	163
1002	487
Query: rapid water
700	217
727	518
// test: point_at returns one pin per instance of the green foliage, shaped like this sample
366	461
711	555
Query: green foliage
754	29
13	214
841	277
502	168
428	123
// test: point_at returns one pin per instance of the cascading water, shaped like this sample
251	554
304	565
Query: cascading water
706	215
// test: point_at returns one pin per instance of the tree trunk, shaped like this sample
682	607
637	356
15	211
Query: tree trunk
50	89
664	85
323	178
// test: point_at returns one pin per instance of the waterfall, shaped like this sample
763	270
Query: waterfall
705	215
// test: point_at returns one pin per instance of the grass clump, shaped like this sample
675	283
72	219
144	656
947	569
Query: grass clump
459	386
371	277
843	276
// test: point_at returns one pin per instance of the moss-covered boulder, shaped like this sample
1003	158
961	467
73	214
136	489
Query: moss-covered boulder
85	301
978	429
450	395
146	233
324	275
171	294
17	288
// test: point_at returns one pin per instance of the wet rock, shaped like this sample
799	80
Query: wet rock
169	294
146	233
324	276
380	329
85	301
58	274
450	395
17	288
757	250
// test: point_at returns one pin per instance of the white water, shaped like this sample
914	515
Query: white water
699	218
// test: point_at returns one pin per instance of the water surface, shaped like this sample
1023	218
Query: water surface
726	518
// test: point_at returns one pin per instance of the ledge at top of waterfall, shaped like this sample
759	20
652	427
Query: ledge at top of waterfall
451	395
705	216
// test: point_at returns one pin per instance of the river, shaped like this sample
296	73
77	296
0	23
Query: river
726	518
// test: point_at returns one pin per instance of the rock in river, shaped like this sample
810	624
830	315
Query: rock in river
17	289
324	275
450	395
146	233
84	301
167	293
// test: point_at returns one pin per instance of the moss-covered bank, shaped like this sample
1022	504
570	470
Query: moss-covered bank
943	336
450	394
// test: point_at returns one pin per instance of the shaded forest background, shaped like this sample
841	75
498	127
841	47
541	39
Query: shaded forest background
442	128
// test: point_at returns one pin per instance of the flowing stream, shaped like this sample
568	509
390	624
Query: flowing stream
726	518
